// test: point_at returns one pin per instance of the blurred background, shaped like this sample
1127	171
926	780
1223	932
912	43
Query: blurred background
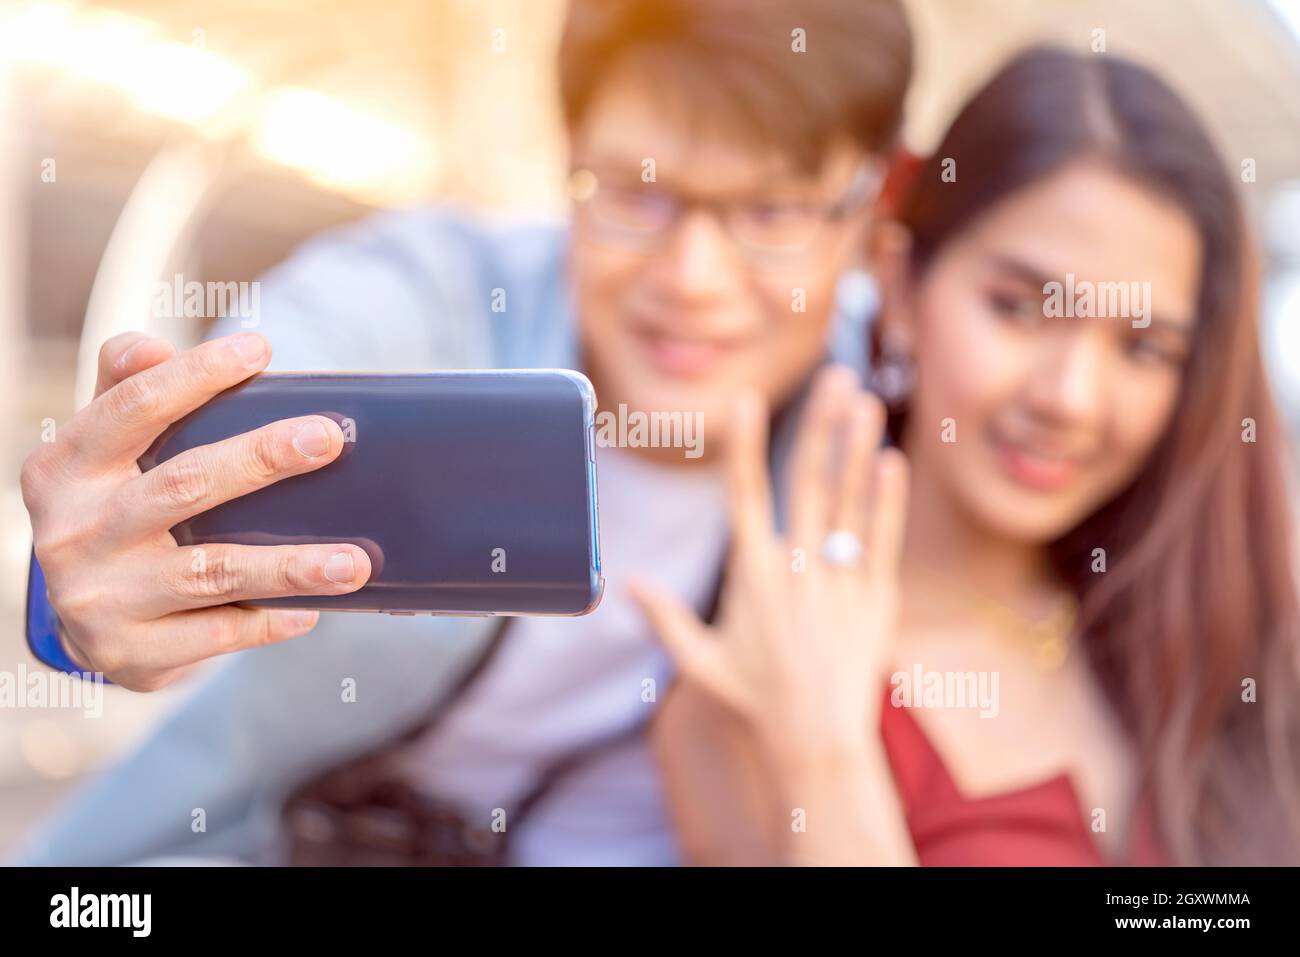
150	137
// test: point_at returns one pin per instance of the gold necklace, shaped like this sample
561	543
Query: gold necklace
1048	638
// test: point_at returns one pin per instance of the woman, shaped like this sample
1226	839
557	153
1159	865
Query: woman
1090	534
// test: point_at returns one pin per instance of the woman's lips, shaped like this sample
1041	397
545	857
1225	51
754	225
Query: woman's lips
683	358
1037	470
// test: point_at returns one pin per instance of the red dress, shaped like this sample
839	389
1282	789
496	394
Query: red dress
1039	825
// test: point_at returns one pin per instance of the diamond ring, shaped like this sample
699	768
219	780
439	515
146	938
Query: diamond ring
842	548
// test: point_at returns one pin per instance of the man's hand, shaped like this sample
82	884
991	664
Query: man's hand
132	604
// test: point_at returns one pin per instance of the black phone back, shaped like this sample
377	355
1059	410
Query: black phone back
472	492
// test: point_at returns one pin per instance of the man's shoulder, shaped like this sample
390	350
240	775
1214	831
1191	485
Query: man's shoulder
434	286
444	239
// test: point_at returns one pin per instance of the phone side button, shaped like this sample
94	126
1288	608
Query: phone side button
399	613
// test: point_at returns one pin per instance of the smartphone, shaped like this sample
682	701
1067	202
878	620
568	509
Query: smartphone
473	493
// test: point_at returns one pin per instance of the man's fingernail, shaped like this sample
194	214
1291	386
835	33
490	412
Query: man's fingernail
311	439
125	358
249	347
302	619
341	569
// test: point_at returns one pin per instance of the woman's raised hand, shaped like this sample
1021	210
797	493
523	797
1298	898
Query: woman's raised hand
802	643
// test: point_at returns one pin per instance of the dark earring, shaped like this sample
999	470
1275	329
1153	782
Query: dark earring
894	377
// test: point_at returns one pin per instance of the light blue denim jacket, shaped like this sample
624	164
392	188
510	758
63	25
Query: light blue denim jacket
410	289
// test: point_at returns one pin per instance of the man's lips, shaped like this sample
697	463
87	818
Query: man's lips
682	357
1036	468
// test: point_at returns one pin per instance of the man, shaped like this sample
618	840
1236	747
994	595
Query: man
725	157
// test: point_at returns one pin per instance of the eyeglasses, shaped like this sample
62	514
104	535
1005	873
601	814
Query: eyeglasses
638	216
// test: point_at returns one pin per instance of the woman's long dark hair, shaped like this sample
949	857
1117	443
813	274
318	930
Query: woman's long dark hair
1199	600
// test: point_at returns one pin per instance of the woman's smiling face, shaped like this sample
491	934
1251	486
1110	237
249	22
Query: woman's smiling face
1030	420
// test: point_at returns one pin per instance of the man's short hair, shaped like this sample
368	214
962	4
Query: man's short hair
743	67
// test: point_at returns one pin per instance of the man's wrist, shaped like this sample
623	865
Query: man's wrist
45	636
70	649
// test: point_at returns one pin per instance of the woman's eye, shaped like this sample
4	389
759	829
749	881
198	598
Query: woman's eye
1019	307
1146	349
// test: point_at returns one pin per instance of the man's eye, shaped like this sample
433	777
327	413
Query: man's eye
775	213
626	196
635	203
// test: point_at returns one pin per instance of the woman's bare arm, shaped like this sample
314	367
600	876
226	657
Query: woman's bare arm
716	790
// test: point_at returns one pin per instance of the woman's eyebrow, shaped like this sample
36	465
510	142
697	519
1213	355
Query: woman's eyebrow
1020	269
1161	323
1034	276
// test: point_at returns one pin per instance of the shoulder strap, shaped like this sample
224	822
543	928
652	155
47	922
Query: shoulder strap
571	761
453	694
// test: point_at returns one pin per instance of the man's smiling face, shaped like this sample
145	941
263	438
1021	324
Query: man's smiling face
679	318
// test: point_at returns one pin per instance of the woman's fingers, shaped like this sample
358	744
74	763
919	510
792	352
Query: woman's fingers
677	626
863	428
750	489
810	492
697	652
888	520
